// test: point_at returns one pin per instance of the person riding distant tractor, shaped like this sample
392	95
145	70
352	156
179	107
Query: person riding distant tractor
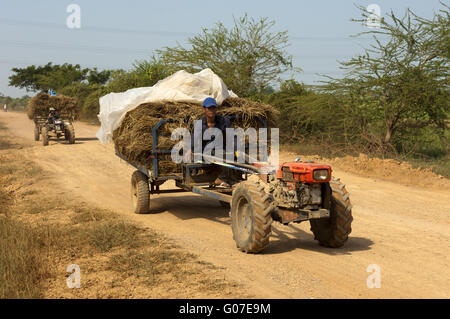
53	115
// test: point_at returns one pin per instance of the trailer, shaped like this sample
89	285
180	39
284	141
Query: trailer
56	129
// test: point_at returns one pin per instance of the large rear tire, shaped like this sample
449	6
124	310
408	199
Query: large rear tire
44	136
140	194
333	232
69	134
251	216
36	133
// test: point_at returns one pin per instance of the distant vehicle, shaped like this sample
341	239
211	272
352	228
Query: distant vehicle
54	125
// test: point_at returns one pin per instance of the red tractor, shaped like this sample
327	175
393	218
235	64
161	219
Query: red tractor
299	191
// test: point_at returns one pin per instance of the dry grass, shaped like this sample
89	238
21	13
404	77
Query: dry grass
41	103
41	234
23	263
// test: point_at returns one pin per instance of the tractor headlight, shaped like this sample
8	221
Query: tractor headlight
320	174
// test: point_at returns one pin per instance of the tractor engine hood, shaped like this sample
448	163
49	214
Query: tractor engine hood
304	172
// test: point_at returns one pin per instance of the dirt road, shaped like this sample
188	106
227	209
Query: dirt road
404	230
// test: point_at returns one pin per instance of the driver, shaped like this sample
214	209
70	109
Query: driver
209	120
53	115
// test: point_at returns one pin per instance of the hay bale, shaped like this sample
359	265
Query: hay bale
134	137
39	106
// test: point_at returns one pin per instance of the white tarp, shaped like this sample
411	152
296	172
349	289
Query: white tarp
180	86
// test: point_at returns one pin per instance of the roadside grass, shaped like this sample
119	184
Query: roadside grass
4	143
22	262
439	166
42	233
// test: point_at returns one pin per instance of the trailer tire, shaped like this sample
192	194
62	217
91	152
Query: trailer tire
333	232
251	216
140	194
36	133
44	136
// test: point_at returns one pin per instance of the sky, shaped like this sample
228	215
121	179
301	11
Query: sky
113	34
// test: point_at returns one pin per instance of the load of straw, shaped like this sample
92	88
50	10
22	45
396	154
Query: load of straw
39	106
133	139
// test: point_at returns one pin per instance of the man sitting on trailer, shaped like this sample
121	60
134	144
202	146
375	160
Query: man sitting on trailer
210	120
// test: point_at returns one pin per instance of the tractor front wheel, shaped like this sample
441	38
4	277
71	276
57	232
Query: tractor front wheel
333	232
69	134
251	216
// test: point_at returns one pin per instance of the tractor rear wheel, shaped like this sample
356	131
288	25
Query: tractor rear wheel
140	194
333	232
44	136
36	133
251	216
69	134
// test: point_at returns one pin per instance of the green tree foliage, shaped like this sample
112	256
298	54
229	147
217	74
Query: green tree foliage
400	84
144	73
61	76
27	78
81	91
248	57
91	107
98	77
305	113
42	78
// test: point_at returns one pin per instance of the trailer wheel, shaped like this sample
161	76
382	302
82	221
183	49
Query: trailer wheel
251	216
69	134
36	133
333	232
44	136
140	194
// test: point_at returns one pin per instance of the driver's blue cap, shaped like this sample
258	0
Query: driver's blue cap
209	101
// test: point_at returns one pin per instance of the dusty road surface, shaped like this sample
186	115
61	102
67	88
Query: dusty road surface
404	230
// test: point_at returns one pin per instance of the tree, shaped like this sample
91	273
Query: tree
98	77
143	73
401	82
27	78
42	78
62	75
248	57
